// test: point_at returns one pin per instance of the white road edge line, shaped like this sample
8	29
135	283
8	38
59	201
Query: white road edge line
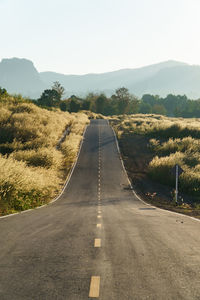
134	193
64	187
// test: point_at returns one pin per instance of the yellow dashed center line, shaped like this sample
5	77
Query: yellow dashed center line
95	280
94	287
97	243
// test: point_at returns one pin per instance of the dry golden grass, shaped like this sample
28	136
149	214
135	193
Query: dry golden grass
32	168
23	187
41	157
173	140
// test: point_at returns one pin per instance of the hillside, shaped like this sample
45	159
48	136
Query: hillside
20	76
183	79
108	82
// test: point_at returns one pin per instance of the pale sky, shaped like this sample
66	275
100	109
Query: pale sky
93	36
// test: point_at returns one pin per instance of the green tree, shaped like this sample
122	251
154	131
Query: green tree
175	104
150	99
159	109
49	98
63	106
133	105
123	98
91	97
3	92
86	105
74	105
145	108
100	104
58	88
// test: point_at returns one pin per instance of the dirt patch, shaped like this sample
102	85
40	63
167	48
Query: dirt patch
136	156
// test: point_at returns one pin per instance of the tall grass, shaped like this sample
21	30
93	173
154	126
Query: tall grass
188	144
33	169
189	181
42	157
173	141
22	187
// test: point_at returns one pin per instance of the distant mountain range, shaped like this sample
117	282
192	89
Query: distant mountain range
20	76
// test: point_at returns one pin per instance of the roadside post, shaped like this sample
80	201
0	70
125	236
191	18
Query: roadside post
177	171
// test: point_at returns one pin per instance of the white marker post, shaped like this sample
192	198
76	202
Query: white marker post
176	183
176	171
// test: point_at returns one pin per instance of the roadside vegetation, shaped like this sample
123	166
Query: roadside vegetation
163	142
39	140
34	161
121	102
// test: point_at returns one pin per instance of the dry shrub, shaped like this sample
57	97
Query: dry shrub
5	114
160	167
32	169
188	144
174	141
42	157
22	187
33	126
159	126
71	144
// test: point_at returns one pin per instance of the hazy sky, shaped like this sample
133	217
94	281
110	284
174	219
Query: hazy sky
84	36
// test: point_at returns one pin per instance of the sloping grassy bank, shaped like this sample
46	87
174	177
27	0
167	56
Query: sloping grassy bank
33	169
165	142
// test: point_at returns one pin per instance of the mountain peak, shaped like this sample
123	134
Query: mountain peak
18	75
18	64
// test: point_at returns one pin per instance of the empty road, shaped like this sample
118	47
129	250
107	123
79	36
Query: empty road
98	240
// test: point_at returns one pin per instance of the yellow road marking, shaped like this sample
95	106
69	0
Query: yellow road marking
97	243
98	225
94	287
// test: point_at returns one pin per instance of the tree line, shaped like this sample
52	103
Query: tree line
121	102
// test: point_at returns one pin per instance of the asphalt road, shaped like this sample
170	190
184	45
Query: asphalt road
98	240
